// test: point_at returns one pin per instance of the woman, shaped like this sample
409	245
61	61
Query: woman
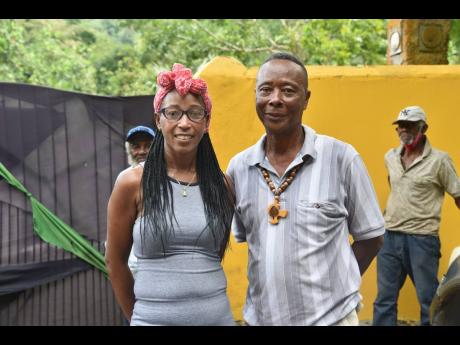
176	210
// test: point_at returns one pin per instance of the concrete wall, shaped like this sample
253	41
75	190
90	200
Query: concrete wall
356	105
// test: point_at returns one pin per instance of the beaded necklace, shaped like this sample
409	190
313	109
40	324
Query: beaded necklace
274	210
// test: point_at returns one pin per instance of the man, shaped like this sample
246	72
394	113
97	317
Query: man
419	175
137	144
138	141
298	197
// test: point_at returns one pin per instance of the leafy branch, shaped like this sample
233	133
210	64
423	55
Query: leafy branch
227	46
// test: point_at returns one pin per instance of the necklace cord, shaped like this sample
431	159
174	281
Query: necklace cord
274	209
184	187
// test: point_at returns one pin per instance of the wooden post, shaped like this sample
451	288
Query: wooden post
418	41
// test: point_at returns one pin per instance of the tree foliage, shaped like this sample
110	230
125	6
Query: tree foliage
454	42
122	57
46	53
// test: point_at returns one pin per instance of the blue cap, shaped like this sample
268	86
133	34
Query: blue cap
139	129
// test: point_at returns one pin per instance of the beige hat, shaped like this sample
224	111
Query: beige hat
413	113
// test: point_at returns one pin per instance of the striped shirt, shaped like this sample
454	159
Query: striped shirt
302	271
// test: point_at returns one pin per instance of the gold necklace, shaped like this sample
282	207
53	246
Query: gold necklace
184	187
274	209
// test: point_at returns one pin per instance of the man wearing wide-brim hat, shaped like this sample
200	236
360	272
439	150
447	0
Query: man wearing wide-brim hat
419	175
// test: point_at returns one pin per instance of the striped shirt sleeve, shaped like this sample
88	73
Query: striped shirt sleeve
238	230
365	219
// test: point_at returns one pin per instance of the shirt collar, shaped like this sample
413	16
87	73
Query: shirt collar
257	154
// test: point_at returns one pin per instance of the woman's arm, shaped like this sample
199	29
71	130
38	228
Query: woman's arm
121	214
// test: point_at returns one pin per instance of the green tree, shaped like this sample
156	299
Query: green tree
337	42
454	42
44	53
122	57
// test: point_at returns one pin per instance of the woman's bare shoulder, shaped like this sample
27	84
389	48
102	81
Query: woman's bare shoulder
129	178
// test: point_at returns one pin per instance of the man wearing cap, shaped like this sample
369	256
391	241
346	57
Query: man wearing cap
138	141
418	175
137	145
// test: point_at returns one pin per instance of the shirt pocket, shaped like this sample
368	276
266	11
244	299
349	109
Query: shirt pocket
421	188
319	221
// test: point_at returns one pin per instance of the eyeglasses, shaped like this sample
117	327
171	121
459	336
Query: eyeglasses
174	114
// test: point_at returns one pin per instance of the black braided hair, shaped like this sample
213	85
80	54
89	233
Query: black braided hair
158	204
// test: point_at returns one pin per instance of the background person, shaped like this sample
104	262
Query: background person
419	176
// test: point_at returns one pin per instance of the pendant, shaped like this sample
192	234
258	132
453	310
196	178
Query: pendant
184	192
274	212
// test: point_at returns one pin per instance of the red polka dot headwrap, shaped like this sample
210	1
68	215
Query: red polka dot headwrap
181	79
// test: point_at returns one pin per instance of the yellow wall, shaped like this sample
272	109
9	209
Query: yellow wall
356	105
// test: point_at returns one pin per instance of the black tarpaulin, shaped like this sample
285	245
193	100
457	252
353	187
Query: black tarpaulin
17	278
67	149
